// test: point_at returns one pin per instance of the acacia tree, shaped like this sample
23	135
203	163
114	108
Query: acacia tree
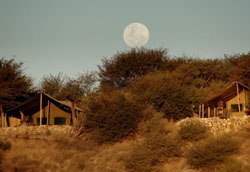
125	67
201	73
62	87
53	85
164	92
72	89
242	71
15	86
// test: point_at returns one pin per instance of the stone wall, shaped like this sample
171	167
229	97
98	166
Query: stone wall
37	131
216	125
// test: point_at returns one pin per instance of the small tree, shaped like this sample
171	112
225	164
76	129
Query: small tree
53	85
192	130
15	86
242	71
110	117
64	88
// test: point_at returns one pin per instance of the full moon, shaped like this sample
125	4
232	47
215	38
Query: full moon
136	35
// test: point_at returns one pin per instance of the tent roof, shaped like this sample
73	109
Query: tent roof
32	105
226	94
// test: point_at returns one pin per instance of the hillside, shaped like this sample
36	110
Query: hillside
56	148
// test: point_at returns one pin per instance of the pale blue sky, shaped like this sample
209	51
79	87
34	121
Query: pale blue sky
72	36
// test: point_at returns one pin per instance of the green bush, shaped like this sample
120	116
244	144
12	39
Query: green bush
212	151
192	130
110	117
152	151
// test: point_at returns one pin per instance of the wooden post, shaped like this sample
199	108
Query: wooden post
73	112
199	111
214	111
5	120
208	110
48	107
203	110
244	100
1	109
2	118
238	94
41	107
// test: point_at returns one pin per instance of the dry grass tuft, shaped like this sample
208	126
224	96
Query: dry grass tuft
213	151
192	130
64	154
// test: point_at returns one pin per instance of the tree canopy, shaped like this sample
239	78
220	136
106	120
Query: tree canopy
15	86
125	67
165	93
242	71
62	87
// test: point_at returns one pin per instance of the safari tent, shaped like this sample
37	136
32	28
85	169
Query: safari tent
233	101
42	109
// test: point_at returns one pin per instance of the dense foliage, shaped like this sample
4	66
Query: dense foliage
165	94
174	86
15	86
192	130
212	151
125	67
242	71
62	87
53	85
111	117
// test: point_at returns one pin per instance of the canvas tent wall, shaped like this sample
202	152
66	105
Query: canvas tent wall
41	109
231	102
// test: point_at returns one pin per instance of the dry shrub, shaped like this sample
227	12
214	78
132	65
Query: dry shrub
63	143
110	158
65	154
41	155
212	151
110	117
151	152
157	124
21	163
245	130
66	143
233	165
192	130
81	165
159	144
5	145
154	125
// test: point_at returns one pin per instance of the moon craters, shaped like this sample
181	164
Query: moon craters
136	35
